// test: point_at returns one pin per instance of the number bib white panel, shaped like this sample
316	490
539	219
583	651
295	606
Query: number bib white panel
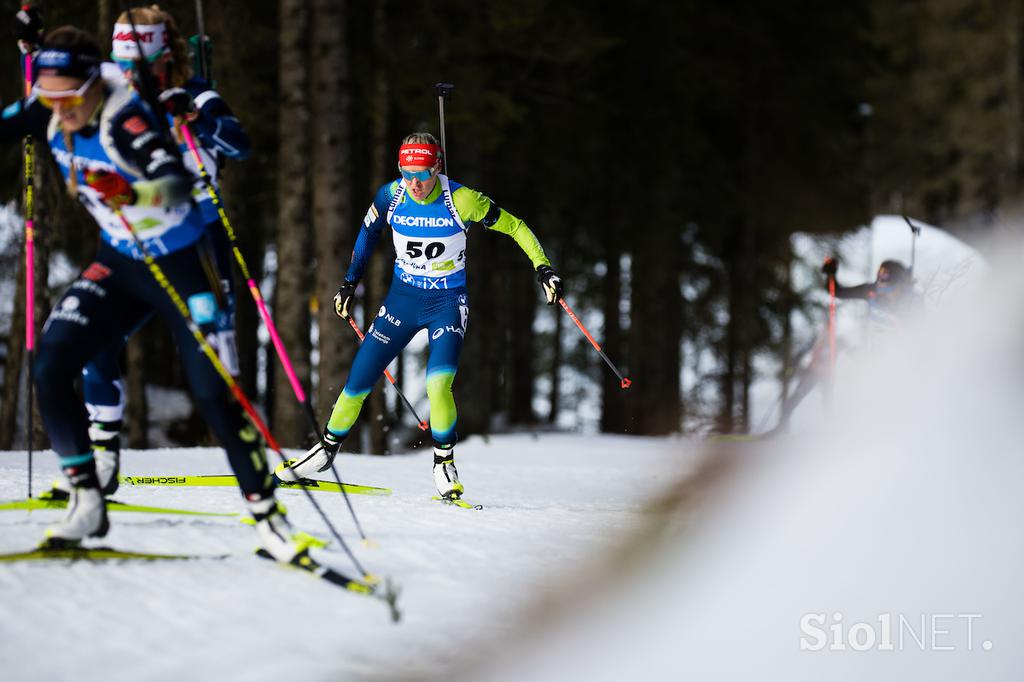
430	241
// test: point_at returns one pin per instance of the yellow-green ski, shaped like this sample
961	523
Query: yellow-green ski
57	499
457	502
230	481
95	554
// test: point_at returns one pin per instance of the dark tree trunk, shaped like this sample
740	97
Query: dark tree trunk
477	378
728	379
294	256
614	415
15	360
332	178
655	336
249	186
136	413
557	358
519	372
106	15
375	280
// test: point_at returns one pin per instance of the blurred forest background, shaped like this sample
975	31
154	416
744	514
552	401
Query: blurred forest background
663	152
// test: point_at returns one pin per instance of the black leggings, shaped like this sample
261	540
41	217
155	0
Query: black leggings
107	301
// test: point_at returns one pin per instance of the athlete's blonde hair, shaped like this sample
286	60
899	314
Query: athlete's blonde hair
424	138
420	138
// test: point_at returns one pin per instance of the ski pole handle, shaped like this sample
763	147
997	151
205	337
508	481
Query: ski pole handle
624	382
444	91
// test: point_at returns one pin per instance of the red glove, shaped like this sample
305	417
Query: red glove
112	188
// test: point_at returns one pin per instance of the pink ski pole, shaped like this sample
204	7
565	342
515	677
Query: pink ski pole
30	274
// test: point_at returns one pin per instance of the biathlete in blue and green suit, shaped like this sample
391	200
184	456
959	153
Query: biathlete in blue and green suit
429	217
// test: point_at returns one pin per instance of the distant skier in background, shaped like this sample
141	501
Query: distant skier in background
107	146
429	217
887	298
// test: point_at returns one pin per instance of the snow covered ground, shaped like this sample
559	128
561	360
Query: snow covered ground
554	505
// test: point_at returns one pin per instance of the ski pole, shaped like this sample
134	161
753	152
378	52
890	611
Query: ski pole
424	426
624	382
261	306
203	67
236	390
30	272
832	322
444	91
916	230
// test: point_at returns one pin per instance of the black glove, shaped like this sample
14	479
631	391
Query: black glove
343	299
829	267
178	102
28	29
550	282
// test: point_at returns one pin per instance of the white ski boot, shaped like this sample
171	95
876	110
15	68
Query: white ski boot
277	536
108	466
106	451
317	459
86	518
446	477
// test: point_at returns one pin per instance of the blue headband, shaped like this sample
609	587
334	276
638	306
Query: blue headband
66	63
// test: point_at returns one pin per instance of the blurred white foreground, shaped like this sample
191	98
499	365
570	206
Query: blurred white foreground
904	507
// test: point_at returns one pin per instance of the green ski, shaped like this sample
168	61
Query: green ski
231	481
457	502
58	499
96	554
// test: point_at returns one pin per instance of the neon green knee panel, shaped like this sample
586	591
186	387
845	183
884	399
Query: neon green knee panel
443	414
346	409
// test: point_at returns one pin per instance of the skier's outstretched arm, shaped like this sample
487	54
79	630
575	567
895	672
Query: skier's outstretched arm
474	206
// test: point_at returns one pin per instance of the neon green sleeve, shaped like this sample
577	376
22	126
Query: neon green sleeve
473	207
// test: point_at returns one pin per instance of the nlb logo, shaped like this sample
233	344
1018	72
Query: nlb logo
383	312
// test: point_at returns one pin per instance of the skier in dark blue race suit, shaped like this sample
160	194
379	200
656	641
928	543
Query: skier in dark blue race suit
219	135
428	215
105	142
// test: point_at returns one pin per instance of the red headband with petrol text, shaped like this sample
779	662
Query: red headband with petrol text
418	154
